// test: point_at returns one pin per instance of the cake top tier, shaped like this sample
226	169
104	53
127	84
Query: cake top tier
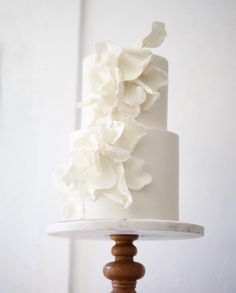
126	82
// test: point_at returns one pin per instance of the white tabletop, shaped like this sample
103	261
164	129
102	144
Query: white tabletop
146	229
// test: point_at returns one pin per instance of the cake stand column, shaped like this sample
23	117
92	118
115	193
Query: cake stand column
124	271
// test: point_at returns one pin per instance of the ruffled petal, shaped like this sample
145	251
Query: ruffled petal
144	86
134	95
135	174
96	161
104	80
132	134
100	69
107	103
91	115
116	154
106	53
119	83
70	176
150	101
132	62
104	179
120	192
98	77
81	157
154	78
128	110
80	138
110	130
154	38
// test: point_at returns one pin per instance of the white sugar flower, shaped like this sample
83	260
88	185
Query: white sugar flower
97	161
124	80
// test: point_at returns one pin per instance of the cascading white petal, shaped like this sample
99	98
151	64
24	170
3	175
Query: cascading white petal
153	78
136	175
134	94
150	101
127	110
120	192
106	53
132	62
69	178
132	134
154	38
117	154
110	130
104	179
80	138
106	103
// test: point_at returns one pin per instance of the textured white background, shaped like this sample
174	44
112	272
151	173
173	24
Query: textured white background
39	86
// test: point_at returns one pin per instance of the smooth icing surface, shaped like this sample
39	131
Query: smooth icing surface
159	199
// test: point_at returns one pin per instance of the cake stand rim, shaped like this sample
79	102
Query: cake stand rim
146	229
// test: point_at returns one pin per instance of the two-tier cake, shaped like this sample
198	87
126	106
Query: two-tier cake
123	162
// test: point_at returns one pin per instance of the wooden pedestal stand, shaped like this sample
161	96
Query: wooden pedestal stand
124	271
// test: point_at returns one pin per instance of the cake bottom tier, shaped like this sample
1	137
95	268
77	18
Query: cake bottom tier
158	200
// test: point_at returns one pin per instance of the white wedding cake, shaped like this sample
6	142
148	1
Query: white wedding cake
123	162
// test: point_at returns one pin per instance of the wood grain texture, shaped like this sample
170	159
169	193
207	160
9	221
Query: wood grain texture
124	271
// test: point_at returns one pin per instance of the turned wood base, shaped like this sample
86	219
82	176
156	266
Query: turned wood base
124	271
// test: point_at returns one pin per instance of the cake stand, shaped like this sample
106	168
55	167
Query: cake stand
124	271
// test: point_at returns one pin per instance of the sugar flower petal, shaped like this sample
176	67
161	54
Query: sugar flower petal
120	192
132	62
106	103
127	110
154	38
154	78
132	134
106	53
110	130
104	179
150	101
135	174
80	137
134	95
70	176
117	154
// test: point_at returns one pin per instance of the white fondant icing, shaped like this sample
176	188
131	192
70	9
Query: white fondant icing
159	199
100	159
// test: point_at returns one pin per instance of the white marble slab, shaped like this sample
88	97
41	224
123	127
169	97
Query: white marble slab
146	229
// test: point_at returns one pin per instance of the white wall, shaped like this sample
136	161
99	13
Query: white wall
39	49
39	84
201	48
